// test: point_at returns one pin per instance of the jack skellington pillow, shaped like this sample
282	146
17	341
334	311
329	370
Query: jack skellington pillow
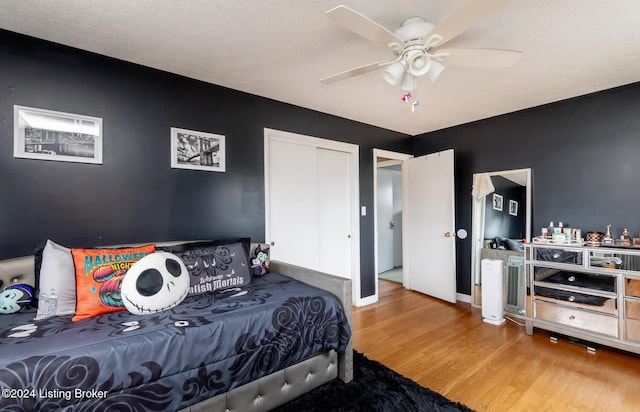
155	283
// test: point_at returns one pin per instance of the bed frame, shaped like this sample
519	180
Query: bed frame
269	391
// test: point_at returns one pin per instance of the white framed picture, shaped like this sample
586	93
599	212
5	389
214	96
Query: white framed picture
50	135
497	202
513	208
195	150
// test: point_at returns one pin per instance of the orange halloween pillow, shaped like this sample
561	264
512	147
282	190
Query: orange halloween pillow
99	274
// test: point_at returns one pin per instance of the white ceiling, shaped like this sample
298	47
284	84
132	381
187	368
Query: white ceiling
280	49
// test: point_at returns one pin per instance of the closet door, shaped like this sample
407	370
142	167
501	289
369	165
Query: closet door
309	207
293	206
334	215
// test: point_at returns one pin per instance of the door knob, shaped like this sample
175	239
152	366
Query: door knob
273	243
447	234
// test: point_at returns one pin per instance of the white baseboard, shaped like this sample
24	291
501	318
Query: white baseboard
461	297
366	301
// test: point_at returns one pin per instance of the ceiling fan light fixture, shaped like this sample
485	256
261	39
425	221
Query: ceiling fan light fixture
435	70
408	82
419	62
393	73
416	45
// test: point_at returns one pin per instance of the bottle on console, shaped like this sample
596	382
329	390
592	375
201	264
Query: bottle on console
608	238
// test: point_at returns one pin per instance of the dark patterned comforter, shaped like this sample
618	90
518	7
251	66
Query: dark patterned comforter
205	346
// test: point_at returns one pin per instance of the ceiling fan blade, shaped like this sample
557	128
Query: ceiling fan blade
364	26
479	57
355	72
463	17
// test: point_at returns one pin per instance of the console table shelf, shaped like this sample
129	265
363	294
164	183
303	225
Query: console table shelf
589	293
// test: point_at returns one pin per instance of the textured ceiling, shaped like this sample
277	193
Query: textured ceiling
280	49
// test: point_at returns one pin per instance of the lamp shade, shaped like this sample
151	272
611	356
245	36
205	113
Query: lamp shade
419	63
435	70
393	73
408	82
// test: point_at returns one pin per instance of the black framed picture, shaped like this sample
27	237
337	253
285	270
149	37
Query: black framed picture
497	202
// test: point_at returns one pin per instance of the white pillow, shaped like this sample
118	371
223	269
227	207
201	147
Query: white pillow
143	287
58	273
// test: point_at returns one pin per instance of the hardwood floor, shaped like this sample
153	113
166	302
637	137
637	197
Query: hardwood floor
449	349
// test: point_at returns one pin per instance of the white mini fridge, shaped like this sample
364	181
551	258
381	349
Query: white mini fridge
492	291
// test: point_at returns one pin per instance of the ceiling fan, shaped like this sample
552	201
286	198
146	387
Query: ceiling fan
416	44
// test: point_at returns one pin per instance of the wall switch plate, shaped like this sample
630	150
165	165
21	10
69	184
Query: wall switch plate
363	210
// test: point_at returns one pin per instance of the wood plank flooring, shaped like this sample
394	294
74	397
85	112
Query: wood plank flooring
449	349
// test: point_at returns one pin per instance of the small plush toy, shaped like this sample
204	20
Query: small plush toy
15	297
260	261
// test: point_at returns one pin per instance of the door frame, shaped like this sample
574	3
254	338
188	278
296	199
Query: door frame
354	165
393	159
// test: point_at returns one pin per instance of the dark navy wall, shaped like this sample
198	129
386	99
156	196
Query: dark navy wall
584	154
134	196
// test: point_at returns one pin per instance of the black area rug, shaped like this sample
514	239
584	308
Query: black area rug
374	388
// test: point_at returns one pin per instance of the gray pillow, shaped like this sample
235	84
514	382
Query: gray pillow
216	267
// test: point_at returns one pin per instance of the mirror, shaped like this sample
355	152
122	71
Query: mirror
504	214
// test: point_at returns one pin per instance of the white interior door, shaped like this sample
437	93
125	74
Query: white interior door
385	220
397	217
334	212
293	203
429	222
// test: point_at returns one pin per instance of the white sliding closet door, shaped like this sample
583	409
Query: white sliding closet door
309	212
293	205
334	220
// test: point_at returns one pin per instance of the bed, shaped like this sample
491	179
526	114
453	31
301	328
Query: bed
248	348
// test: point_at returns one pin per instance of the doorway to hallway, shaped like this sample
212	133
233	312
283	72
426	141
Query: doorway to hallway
389	218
